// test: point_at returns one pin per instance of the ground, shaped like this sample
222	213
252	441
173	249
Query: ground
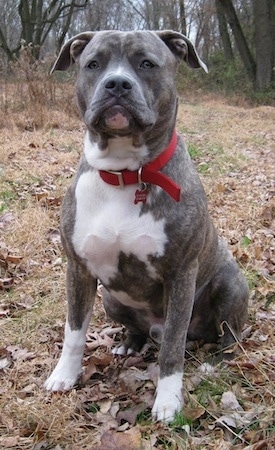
233	147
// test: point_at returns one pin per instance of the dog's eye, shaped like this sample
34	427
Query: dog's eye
146	64
93	65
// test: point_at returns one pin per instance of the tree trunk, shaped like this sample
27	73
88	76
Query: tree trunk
264	42
11	55
182	17
26	21
66	26
246	55
156	8
226	43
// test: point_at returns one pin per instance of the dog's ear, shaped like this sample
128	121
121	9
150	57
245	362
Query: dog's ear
72	50
182	48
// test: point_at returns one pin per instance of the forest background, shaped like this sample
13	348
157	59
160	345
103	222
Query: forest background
236	38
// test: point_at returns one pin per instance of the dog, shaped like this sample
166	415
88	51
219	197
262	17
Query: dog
136	217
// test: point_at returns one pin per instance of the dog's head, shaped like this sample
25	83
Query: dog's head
125	83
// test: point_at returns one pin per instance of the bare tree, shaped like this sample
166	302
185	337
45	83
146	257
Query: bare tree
36	19
260	70
225	38
264	19
182	18
241	43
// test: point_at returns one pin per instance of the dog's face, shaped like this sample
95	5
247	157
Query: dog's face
117	73
125	83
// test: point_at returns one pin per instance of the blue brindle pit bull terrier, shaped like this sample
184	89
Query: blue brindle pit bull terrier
136	215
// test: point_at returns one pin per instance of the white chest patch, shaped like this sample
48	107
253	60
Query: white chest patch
120	154
108	222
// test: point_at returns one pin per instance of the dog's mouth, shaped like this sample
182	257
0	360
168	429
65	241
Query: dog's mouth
117	118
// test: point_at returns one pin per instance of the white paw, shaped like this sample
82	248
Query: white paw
169	398
61	379
68	367
122	350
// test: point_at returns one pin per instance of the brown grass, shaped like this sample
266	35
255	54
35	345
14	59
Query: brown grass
40	145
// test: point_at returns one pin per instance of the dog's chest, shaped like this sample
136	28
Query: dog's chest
108	223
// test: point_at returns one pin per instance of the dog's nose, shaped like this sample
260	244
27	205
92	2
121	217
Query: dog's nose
118	85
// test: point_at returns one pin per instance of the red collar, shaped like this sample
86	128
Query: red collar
148	173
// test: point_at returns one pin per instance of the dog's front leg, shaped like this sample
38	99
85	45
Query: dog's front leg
180	298
81	288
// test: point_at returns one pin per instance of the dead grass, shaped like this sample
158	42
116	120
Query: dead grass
233	149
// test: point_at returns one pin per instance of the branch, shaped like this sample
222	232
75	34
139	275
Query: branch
57	14
67	10
5	47
136	10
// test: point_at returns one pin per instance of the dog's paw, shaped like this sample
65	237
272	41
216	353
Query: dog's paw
122	350
169	398
61	380
56	384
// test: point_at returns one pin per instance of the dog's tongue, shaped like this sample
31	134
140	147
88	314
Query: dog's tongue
117	118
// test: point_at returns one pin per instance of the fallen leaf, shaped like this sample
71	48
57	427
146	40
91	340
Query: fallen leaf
26	301
130	415
136	361
95	340
129	440
148	395
265	315
110	331
90	369
105	420
125	426
9	441
6	421
92	363
53	201
133	378
148	442
105	406
5	219
230	402
230	421
5	358
29	389
41	195
193	413
114	409
153	372
20	353
14	259
251	364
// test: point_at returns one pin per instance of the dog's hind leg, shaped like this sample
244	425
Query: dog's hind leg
221	310
133	320
81	288
230	295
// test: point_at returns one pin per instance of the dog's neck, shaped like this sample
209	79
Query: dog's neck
120	154
121	164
